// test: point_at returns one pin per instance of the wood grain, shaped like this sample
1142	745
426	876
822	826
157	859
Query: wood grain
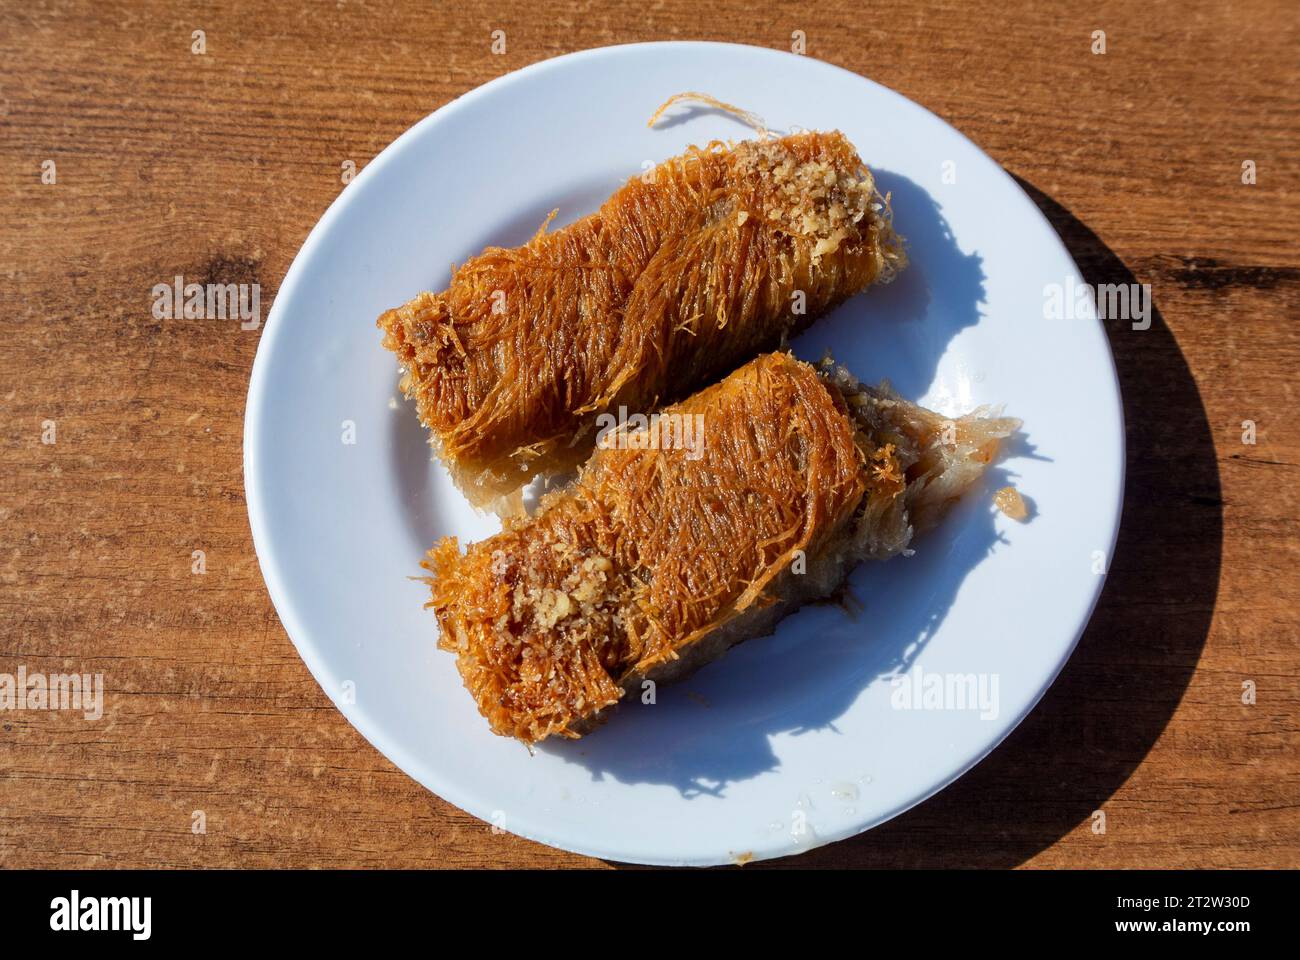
217	166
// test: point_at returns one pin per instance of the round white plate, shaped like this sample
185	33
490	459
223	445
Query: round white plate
790	741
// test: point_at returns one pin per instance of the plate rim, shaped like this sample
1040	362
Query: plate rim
314	660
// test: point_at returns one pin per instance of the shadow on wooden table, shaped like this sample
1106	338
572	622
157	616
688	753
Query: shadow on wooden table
1119	690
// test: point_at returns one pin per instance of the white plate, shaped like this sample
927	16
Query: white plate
790	741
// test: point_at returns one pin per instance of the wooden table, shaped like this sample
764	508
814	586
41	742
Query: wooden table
215	166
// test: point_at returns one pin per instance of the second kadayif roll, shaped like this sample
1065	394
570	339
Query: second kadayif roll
659	557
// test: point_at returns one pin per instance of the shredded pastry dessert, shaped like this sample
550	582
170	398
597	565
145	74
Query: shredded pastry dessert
659	557
687	271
